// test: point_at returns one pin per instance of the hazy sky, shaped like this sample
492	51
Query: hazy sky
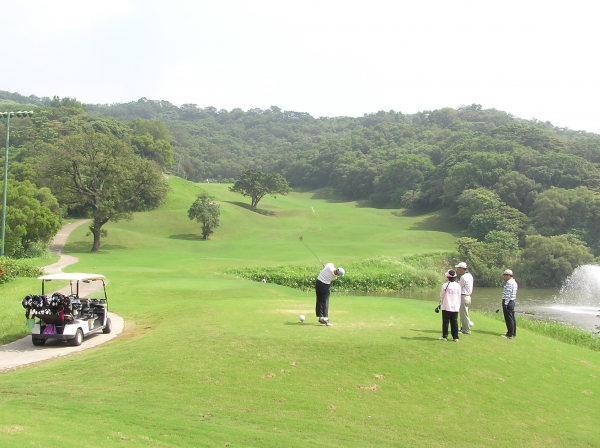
534	59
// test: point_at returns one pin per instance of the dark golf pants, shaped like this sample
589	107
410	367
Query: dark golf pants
509	318
452	318
323	293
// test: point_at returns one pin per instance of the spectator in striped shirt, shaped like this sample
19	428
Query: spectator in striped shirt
509	296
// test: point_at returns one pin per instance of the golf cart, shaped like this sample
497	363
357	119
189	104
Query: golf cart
66	317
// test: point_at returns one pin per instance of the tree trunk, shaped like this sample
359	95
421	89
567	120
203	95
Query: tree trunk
96	229
96	233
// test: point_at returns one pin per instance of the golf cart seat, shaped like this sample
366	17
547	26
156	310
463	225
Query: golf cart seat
51	319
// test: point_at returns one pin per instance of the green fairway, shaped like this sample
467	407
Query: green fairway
208	359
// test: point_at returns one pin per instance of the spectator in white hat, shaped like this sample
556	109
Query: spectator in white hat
509	296
466	289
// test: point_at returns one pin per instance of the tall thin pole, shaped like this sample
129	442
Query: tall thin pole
4	186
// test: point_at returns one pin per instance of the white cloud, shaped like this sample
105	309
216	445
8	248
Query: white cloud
326	57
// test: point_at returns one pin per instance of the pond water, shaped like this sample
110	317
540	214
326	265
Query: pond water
576	303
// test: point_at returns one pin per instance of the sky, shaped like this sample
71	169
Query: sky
533	59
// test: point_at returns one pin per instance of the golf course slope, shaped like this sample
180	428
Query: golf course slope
208	359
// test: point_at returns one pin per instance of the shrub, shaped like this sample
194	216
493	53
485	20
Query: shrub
11	269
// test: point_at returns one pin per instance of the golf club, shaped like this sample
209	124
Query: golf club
302	240
498	310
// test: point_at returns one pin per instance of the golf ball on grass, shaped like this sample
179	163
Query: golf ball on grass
471	324
302	318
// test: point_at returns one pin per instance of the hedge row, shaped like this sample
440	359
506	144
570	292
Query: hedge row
373	275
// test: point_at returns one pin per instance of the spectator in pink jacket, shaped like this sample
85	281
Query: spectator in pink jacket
450	305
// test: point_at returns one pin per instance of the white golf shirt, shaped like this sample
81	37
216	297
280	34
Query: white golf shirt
466	284
327	275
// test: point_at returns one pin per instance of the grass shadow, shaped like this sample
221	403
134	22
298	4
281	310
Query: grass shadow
363	204
260	211
408	213
439	223
303	323
82	247
419	338
187	237
330	195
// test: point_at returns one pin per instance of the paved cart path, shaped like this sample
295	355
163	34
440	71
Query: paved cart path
23	352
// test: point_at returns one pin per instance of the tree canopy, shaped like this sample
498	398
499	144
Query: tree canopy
102	176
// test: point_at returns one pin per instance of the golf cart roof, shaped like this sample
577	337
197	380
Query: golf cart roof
72	276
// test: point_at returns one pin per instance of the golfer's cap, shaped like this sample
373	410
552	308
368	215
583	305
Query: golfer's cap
451	273
340	272
508	272
462	264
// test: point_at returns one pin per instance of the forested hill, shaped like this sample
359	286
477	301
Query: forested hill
505	178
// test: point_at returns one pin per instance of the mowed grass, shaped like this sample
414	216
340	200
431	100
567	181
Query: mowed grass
207	359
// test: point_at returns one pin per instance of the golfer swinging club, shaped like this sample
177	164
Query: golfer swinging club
322	287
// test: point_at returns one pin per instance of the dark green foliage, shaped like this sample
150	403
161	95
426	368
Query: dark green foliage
33	216
483	223
404	174
151	140
517	190
206	212
547	261
476	202
504	240
557	210
488	260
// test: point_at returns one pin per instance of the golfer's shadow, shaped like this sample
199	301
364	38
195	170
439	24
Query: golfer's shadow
423	338
304	323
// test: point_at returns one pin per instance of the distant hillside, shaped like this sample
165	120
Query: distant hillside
504	178
16	98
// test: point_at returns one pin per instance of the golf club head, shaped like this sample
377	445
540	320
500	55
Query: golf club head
437	309
498	310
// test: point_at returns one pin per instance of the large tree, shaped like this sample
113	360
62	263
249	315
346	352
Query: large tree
257	184
206	212
101	174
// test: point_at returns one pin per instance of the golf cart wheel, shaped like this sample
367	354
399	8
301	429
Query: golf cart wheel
78	339
108	327
38	342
